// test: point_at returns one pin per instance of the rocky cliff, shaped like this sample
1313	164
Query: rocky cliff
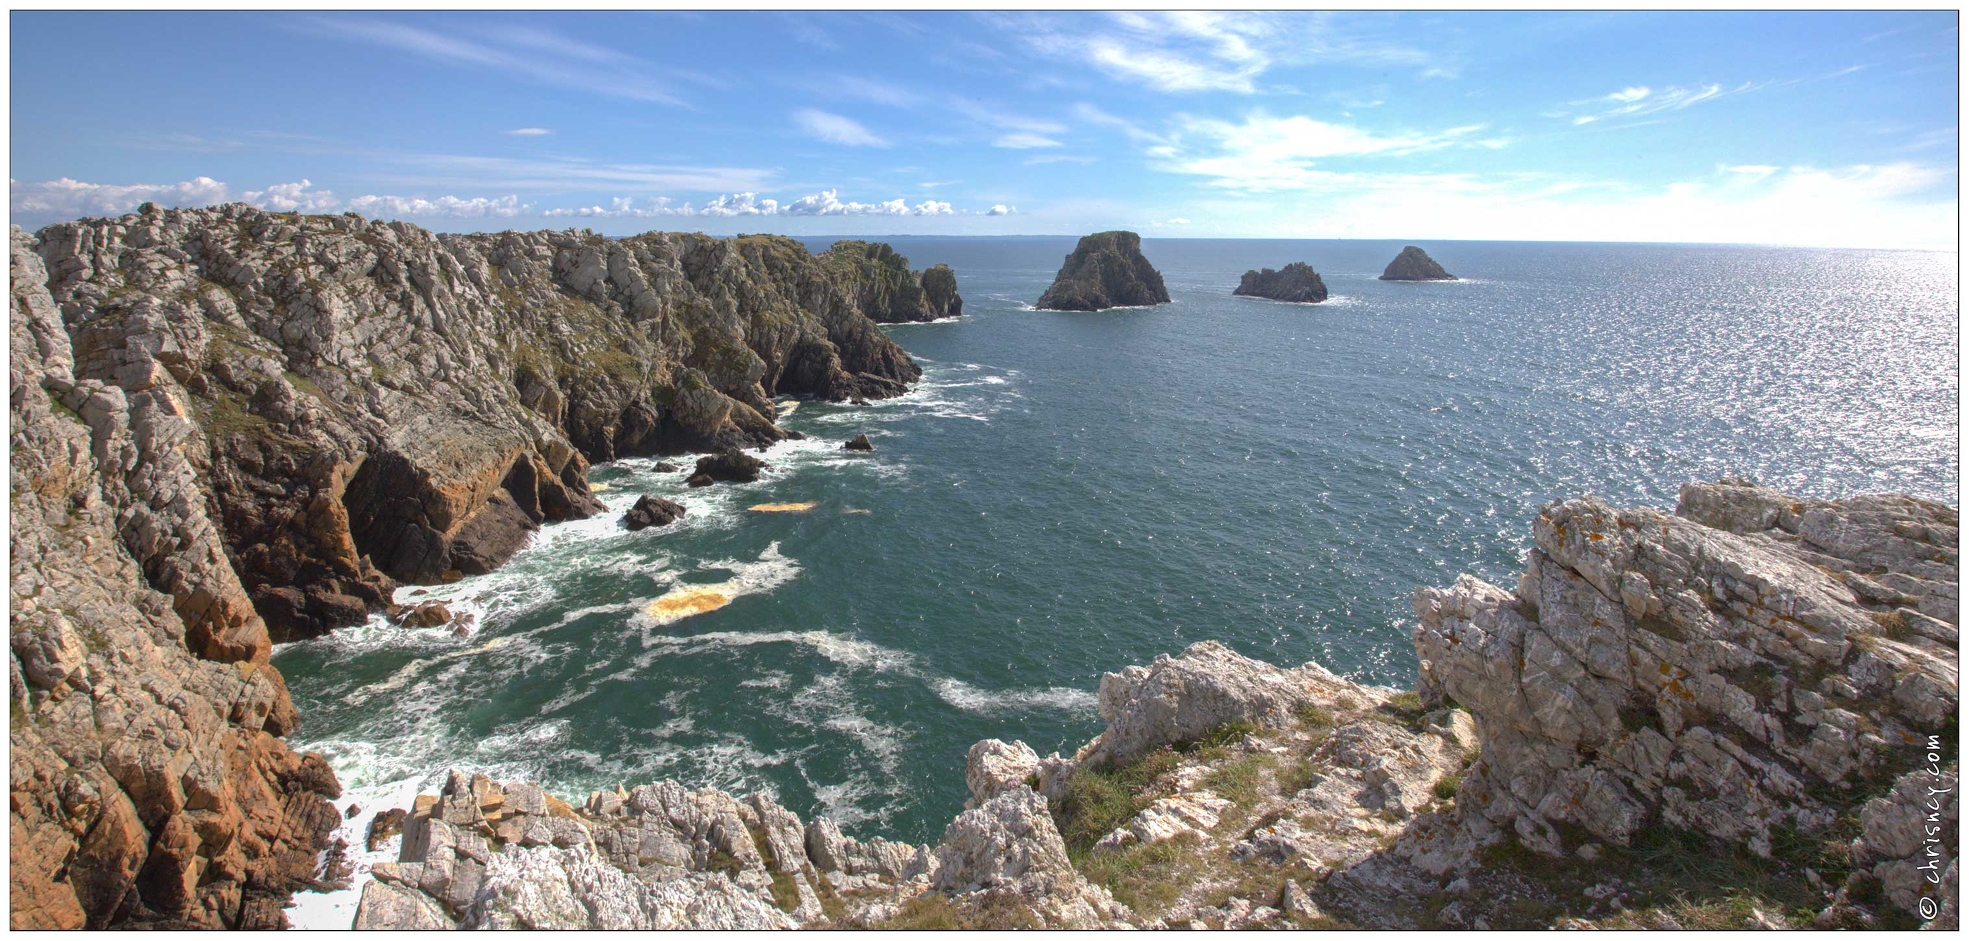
1105	270
234	427
372	403
885	290
1414	264
1297	283
1718	718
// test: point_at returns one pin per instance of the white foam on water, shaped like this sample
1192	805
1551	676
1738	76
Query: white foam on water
972	699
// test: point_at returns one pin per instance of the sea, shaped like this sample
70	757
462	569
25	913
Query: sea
1066	494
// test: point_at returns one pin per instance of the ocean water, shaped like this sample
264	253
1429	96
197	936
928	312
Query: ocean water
1069	493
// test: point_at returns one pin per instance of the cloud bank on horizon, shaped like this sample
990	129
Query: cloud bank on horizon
1826	128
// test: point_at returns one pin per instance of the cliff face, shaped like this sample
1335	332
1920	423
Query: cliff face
1414	264
147	780
1105	270
1296	282
885	290
371	403
1752	667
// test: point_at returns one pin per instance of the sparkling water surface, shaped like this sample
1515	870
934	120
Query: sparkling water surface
1069	493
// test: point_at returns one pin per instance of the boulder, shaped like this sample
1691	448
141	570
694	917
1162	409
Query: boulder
1105	270
428	614
1297	283
652	511
1414	264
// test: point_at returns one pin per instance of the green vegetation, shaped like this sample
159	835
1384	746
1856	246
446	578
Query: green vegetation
1447	786
1099	801
991	911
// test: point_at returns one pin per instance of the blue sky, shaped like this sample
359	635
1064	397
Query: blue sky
1791	128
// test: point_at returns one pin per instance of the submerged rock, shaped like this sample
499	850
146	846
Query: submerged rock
859	443
652	511
1414	264
1296	282
1105	270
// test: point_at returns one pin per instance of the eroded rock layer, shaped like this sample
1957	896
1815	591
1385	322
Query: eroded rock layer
885	290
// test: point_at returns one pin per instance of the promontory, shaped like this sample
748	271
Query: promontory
1105	270
883	287
1297	283
1414	264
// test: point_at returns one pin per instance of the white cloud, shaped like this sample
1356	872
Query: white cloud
292	197
836	129
1024	141
1267	154
1001	210
530	132
450	207
1629	94
66	197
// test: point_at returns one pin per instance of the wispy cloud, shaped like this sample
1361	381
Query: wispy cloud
1637	100
529	132
1023	140
535	54
835	129
1043	159
1200	51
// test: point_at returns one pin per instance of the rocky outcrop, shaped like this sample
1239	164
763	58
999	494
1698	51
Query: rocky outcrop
859	442
1105	270
370	403
652	511
148	782
1414	264
1295	283
483	855
885	290
1750	664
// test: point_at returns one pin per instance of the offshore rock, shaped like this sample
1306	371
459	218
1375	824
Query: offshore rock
1747	664
731	466
652	511
1105	270
1297	283
885	290
1414	264
363	403
859	442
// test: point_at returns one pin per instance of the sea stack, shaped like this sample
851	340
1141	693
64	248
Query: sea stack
883	287
1297	283
1105	270
1414	264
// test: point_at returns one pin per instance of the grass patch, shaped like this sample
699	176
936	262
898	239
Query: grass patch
988	911
1312	717
1241	780
1446	786
1096	802
1146	877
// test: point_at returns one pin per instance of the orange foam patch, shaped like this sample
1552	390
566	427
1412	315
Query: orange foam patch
782	507
680	603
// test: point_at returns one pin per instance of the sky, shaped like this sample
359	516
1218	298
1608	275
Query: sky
1800	128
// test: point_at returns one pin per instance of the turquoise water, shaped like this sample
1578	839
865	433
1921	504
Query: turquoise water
1069	493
